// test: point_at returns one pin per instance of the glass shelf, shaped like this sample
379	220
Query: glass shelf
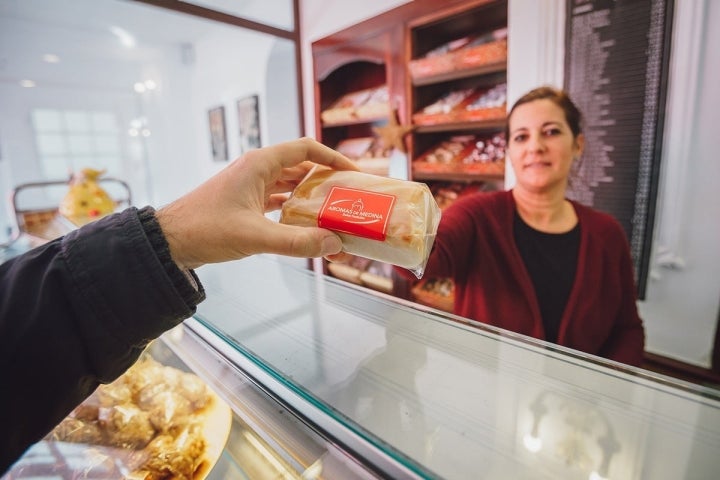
407	387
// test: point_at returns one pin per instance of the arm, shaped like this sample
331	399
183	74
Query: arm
78	311
454	241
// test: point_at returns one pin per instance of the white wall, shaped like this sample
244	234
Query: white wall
229	65
683	296
225	64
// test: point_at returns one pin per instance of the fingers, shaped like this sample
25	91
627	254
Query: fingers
305	242
295	152
275	202
341	257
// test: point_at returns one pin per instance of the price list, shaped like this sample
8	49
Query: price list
617	56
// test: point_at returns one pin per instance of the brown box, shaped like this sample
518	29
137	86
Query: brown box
468	52
444	157
480	55
444	109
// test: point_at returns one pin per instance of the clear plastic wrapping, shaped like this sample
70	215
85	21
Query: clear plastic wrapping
154	422
384	219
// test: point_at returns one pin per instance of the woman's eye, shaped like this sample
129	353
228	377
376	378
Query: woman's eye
550	132
520	138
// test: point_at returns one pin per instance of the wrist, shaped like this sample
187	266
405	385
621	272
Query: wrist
175	238
181	275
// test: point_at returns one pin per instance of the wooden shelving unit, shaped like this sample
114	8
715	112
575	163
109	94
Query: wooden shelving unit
380	51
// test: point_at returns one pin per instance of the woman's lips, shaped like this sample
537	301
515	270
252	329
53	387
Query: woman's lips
537	164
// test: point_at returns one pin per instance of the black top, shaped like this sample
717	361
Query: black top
551	261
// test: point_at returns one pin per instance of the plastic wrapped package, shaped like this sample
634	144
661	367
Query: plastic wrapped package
385	219
154	422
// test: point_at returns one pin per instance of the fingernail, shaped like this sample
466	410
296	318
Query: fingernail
331	245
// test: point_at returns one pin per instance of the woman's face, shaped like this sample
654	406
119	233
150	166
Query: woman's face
541	146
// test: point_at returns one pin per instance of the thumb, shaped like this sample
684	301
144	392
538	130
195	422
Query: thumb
305	242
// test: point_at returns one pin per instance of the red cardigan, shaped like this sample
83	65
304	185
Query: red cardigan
475	246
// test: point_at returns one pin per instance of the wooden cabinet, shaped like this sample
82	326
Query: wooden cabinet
351	69
457	71
415	57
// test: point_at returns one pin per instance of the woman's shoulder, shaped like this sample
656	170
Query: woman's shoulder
598	223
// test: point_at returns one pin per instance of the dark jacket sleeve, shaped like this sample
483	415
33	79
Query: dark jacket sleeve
77	312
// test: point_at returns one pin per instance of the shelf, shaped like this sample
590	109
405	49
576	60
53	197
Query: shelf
498	67
456	177
449	127
359	121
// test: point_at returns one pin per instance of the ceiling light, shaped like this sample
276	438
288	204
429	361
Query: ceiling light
51	58
139	87
124	36
150	84
27	83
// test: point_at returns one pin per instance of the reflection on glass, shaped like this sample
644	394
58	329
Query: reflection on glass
452	400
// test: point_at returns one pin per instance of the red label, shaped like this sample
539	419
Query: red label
357	212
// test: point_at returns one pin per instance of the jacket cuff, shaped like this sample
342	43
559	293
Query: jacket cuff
185	280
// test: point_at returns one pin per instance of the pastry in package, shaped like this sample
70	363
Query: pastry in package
385	219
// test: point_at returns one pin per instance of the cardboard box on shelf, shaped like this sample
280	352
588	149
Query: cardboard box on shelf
464	53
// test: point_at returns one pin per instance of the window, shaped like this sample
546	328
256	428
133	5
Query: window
70	140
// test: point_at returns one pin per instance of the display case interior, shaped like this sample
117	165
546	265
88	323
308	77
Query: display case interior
238	430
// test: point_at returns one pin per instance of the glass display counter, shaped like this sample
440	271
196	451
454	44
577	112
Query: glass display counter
327	380
407	391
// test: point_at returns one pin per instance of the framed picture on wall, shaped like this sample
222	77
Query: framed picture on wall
218	134
249	123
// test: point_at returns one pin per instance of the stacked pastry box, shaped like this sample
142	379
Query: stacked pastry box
367	104
440	292
368	153
464	53
482	155
465	105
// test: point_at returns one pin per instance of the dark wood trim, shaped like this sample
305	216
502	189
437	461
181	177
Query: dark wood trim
396	16
195	10
683	371
298	68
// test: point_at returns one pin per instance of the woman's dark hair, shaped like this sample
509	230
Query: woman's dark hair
559	98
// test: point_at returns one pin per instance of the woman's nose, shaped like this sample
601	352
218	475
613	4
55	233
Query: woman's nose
536	142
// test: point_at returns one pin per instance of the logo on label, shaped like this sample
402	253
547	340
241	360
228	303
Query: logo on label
357	212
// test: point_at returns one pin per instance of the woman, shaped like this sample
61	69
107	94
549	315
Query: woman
530	260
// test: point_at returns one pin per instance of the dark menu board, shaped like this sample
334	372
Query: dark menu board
616	63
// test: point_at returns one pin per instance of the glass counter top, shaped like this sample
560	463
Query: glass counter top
449	398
